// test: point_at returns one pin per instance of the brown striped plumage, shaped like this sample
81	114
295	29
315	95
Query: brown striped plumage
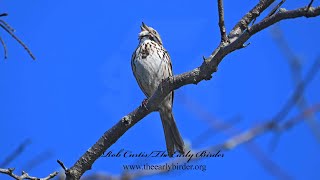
151	64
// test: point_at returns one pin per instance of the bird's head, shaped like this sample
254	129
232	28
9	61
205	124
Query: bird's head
149	33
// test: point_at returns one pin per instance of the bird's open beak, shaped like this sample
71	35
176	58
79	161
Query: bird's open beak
144	27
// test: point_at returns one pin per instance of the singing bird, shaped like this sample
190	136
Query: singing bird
151	64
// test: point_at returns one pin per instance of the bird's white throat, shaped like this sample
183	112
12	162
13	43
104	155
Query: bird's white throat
144	40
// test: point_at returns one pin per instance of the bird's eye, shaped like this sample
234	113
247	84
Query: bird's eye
155	32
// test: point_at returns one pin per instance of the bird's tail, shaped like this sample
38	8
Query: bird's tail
171	132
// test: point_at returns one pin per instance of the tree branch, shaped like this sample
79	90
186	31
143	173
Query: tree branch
25	175
222	27
252	148
37	160
10	30
241	138
4	48
296	72
282	15
15	153
276	8
248	18
309	5
195	76
298	93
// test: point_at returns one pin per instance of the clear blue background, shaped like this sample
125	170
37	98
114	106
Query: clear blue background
81	84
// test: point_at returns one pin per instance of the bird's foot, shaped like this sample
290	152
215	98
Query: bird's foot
144	103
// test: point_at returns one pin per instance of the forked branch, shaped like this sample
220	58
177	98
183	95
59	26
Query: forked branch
238	36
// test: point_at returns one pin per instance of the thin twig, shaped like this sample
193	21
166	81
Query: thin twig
37	160
293	100
4	48
251	147
19	41
15	153
7	25
309	5
276	8
209	132
222	26
295	97
62	165
296	72
268	126
307	112
3	14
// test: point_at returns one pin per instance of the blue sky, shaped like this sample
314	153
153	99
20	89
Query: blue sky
81	84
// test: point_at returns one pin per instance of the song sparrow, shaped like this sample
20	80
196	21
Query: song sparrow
150	65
